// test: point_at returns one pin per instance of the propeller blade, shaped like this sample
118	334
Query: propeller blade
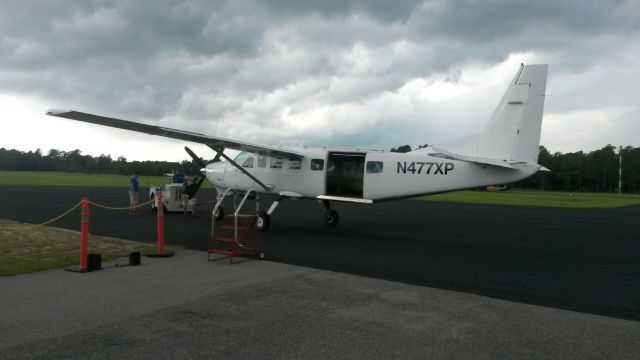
197	187
195	157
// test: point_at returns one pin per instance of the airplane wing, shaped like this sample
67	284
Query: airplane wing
174	134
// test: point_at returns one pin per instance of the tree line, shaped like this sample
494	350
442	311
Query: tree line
595	171
74	161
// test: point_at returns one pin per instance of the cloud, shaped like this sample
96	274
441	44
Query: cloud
618	124
368	73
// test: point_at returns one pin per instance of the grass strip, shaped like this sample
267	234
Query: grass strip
538	198
24	248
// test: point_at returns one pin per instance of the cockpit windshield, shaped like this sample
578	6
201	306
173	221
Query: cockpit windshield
241	156
245	159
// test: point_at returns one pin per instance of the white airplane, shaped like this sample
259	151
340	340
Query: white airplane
504	152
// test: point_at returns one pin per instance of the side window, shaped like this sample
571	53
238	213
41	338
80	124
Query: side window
262	161
374	167
276	163
295	164
248	163
317	164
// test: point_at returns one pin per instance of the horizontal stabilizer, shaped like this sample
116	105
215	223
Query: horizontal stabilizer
472	159
441	153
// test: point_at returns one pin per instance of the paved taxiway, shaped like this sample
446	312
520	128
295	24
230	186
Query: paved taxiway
585	260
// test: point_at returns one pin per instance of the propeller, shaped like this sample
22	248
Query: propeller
195	157
203	165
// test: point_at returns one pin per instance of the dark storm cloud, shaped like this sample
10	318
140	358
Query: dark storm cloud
486	20
251	65
382	10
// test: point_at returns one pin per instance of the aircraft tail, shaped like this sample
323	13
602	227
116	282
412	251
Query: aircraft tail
512	135
513	132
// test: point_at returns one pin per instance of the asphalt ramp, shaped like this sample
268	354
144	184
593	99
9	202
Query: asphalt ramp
188	307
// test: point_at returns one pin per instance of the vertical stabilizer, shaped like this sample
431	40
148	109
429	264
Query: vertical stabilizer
513	132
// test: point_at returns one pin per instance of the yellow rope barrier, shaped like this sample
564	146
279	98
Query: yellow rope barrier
30	227
57	217
120	208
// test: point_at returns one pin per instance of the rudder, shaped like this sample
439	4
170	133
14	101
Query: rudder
513	132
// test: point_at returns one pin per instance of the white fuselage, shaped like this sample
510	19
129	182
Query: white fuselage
355	174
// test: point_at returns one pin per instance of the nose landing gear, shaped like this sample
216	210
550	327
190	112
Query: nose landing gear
262	221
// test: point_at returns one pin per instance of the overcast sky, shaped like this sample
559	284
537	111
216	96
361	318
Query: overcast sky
363	73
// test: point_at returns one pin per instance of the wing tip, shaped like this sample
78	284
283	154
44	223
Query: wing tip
57	112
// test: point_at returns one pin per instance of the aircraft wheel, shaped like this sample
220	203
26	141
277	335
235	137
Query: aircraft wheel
262	221
219	213
331	218
260	255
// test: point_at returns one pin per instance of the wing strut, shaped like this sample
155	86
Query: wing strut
220	153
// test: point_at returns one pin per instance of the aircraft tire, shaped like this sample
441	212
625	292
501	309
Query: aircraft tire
331	218
260	255
262	221
219	214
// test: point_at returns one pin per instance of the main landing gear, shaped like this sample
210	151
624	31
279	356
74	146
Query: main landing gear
331	217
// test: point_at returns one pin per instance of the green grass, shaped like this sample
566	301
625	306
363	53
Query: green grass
538	198
25	248
48	178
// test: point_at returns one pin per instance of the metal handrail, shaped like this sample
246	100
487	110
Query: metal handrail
213	213
246	195
235	217
237	208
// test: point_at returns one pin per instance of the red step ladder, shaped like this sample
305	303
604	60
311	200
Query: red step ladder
237	236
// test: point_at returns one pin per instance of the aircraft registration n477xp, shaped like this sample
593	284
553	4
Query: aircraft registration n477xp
505	151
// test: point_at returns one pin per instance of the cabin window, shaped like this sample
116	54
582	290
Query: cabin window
248	163
295	164
262	161
374	167
276	163
317	164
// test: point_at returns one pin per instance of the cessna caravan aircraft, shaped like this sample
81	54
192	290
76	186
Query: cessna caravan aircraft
504	152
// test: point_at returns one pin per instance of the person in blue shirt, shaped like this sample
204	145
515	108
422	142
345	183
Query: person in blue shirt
133	193
178	177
